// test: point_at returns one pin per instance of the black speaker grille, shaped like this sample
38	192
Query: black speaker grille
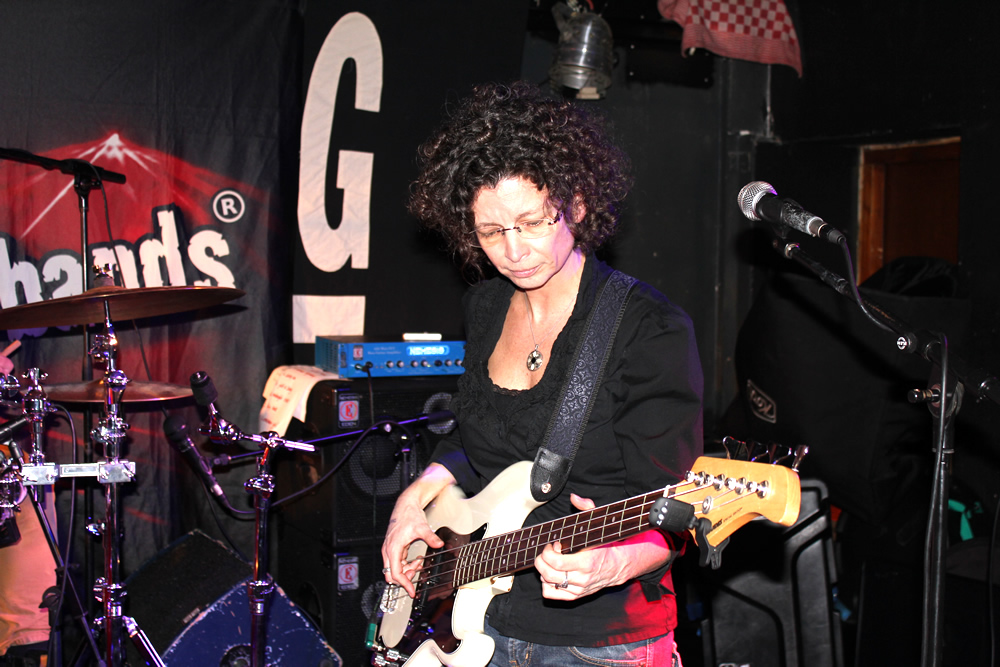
355	504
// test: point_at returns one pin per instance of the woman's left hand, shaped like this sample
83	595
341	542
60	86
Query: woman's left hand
573	576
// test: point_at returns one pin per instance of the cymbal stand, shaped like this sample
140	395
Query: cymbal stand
261	487
110	433
83	184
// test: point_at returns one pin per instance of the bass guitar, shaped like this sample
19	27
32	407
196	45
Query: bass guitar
717	497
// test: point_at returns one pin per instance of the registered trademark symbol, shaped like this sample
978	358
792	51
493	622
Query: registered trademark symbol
228	206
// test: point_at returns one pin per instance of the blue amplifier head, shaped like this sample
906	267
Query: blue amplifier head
358	357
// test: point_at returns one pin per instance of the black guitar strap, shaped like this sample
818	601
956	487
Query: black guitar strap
565	430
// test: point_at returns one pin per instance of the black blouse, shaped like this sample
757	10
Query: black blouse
644	432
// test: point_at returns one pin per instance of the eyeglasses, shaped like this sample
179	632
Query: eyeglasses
489	235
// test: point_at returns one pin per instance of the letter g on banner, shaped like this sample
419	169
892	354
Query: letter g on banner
353	37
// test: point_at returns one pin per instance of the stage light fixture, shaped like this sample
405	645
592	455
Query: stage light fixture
585	53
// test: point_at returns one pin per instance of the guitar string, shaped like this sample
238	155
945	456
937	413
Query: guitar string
520	551
447	575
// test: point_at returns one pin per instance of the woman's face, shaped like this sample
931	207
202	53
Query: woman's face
528	263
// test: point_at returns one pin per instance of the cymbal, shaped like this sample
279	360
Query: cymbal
135	392
124	304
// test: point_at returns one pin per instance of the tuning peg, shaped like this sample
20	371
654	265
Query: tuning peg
800	453
729	443
777	453
757	451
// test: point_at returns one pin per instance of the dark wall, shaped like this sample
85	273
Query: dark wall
872	71
979	239
681	230
874	74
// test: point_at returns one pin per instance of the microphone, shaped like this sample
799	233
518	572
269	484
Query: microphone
176	432
8	428
759	201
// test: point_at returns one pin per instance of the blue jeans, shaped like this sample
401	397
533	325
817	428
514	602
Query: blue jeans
655	652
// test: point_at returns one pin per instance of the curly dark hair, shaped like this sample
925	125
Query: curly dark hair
502	132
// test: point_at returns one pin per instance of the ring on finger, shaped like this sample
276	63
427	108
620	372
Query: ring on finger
565	581
386	570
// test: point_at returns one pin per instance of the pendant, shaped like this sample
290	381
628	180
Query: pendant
535	359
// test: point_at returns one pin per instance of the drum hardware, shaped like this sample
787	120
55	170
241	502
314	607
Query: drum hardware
101	304
110	434
38	473
111	472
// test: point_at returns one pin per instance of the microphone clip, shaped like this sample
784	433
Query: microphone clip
218	430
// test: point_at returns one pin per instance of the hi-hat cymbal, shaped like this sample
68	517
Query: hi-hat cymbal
124	304
135	392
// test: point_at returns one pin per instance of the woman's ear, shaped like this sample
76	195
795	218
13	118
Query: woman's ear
579	210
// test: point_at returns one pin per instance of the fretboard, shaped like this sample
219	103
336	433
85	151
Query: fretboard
505	554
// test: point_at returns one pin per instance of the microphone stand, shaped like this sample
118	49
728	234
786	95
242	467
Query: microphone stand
261	487
944	402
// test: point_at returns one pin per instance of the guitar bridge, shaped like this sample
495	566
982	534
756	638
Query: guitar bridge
390	596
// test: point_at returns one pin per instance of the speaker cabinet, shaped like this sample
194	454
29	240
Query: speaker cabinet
771	601
812	369
191	602
329	540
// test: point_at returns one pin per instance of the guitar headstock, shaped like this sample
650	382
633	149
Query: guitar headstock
729	494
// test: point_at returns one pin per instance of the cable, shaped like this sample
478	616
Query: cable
371	419
218	522
854	285
990	603
337	466
68	555
934	540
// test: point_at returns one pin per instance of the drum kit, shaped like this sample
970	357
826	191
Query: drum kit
25	474
104	302
107	395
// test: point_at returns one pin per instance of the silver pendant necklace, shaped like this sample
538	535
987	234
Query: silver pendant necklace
535	357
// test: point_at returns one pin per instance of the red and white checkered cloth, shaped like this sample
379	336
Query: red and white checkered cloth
757	30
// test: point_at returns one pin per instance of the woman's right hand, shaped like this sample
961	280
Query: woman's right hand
408	524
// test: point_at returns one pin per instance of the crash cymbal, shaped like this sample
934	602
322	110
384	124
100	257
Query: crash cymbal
125	304
135	392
